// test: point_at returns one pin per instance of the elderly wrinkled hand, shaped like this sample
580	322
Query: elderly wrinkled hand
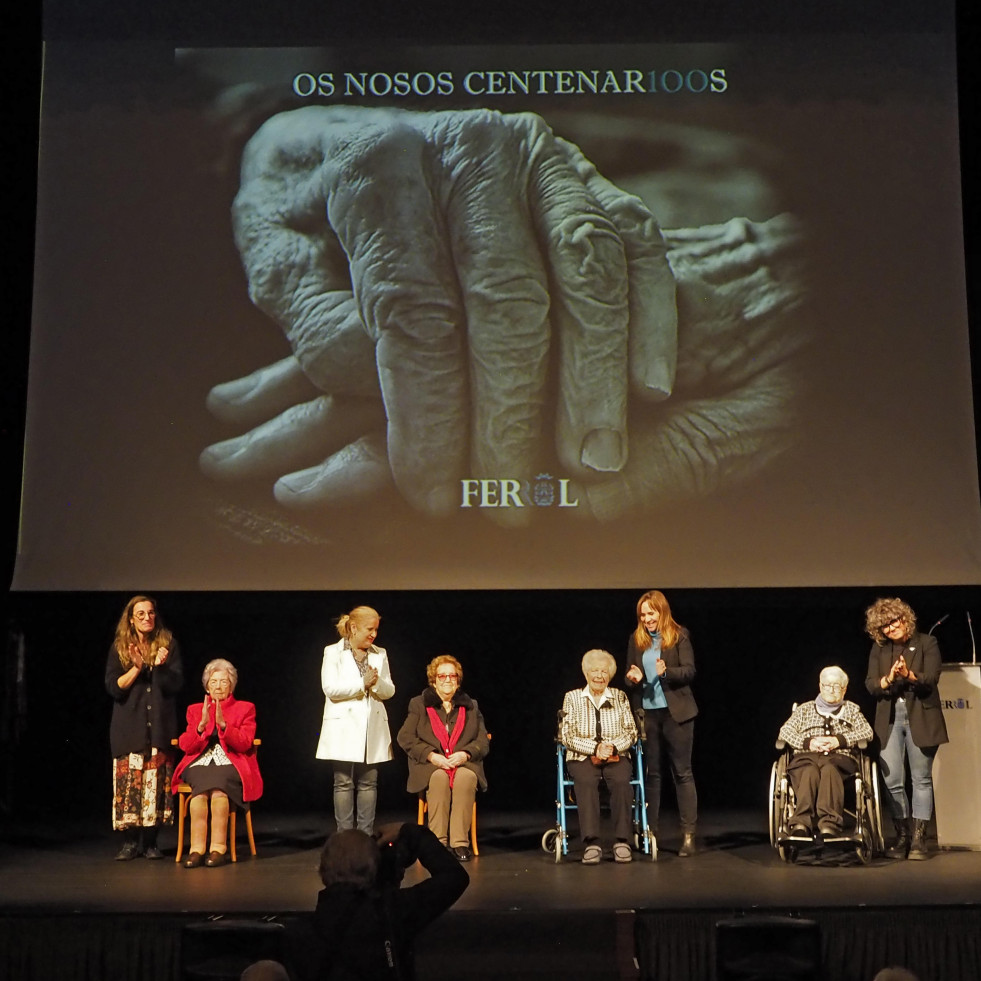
436	257
393	250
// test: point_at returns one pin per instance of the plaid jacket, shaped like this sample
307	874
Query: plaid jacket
616	722
806	722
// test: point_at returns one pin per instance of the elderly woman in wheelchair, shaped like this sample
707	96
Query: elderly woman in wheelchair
597	730
825	738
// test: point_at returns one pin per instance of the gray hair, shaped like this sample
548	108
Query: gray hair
597	658
833	673
219	664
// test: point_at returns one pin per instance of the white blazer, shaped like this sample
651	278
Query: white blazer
355	726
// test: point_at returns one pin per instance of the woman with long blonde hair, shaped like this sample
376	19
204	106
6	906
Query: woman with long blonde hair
660	670
143	674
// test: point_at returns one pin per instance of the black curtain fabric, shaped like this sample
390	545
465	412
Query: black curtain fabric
936	943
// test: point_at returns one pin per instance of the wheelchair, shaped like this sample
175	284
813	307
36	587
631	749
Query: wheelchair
555	841
865	819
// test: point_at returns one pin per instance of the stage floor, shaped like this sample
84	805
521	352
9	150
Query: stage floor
71	869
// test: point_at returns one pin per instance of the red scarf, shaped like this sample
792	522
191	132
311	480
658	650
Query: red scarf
446	739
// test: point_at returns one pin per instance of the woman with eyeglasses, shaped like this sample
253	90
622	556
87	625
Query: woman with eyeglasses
446	741
219	762
660	670
143	674
904	668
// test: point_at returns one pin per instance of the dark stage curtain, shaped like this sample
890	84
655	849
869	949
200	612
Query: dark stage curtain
936	943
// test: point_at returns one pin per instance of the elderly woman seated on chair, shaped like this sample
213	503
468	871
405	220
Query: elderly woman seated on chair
446	741
822	734
219	762
597	730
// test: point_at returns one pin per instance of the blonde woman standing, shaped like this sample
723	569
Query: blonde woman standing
355	736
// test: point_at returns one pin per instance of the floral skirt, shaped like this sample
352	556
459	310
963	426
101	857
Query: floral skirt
141	795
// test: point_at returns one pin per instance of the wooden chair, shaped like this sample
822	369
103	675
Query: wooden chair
184	800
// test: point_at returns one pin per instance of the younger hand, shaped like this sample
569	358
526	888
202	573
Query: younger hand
661	667
635	674
162	654
370	678
136	657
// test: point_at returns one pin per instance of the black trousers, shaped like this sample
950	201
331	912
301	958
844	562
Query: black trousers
675	739
586	777
817	779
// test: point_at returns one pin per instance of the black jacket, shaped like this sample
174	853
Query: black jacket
145	713
926	717
352	926
676	680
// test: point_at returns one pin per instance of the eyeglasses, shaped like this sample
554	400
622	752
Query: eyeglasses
898	622
143	615
447	677
837	688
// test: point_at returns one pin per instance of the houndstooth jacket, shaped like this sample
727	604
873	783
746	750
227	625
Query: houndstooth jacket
578	733
806	722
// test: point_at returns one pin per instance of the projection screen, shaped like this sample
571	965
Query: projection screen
510	317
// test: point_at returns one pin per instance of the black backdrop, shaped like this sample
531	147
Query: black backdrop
756	651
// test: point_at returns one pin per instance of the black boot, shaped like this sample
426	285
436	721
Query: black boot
148	843
130	847
687	845
900	847
918	847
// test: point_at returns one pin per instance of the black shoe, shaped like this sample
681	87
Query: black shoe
215	859
829	830
153	853
687	845
128	852
900	847
799	829
194	861
462	853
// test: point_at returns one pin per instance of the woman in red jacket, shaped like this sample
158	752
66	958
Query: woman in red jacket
219	762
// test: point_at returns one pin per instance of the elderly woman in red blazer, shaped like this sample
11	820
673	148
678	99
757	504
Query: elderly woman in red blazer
219	762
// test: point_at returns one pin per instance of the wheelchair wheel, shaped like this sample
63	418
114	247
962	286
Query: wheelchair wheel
879	841
552	843
651	840
787	852
773	806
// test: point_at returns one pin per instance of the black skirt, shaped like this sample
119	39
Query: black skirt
212	777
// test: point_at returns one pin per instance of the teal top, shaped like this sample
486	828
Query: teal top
653	693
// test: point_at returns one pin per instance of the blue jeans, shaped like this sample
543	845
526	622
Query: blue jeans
346	775
892	766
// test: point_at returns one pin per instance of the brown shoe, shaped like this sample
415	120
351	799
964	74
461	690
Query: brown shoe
194	860
215	859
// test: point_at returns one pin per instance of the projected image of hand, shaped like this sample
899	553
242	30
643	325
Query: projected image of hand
465	296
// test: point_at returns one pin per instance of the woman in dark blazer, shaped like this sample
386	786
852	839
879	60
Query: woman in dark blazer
446	741
660	669
904	668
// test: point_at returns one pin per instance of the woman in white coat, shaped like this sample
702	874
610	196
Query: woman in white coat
356	680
